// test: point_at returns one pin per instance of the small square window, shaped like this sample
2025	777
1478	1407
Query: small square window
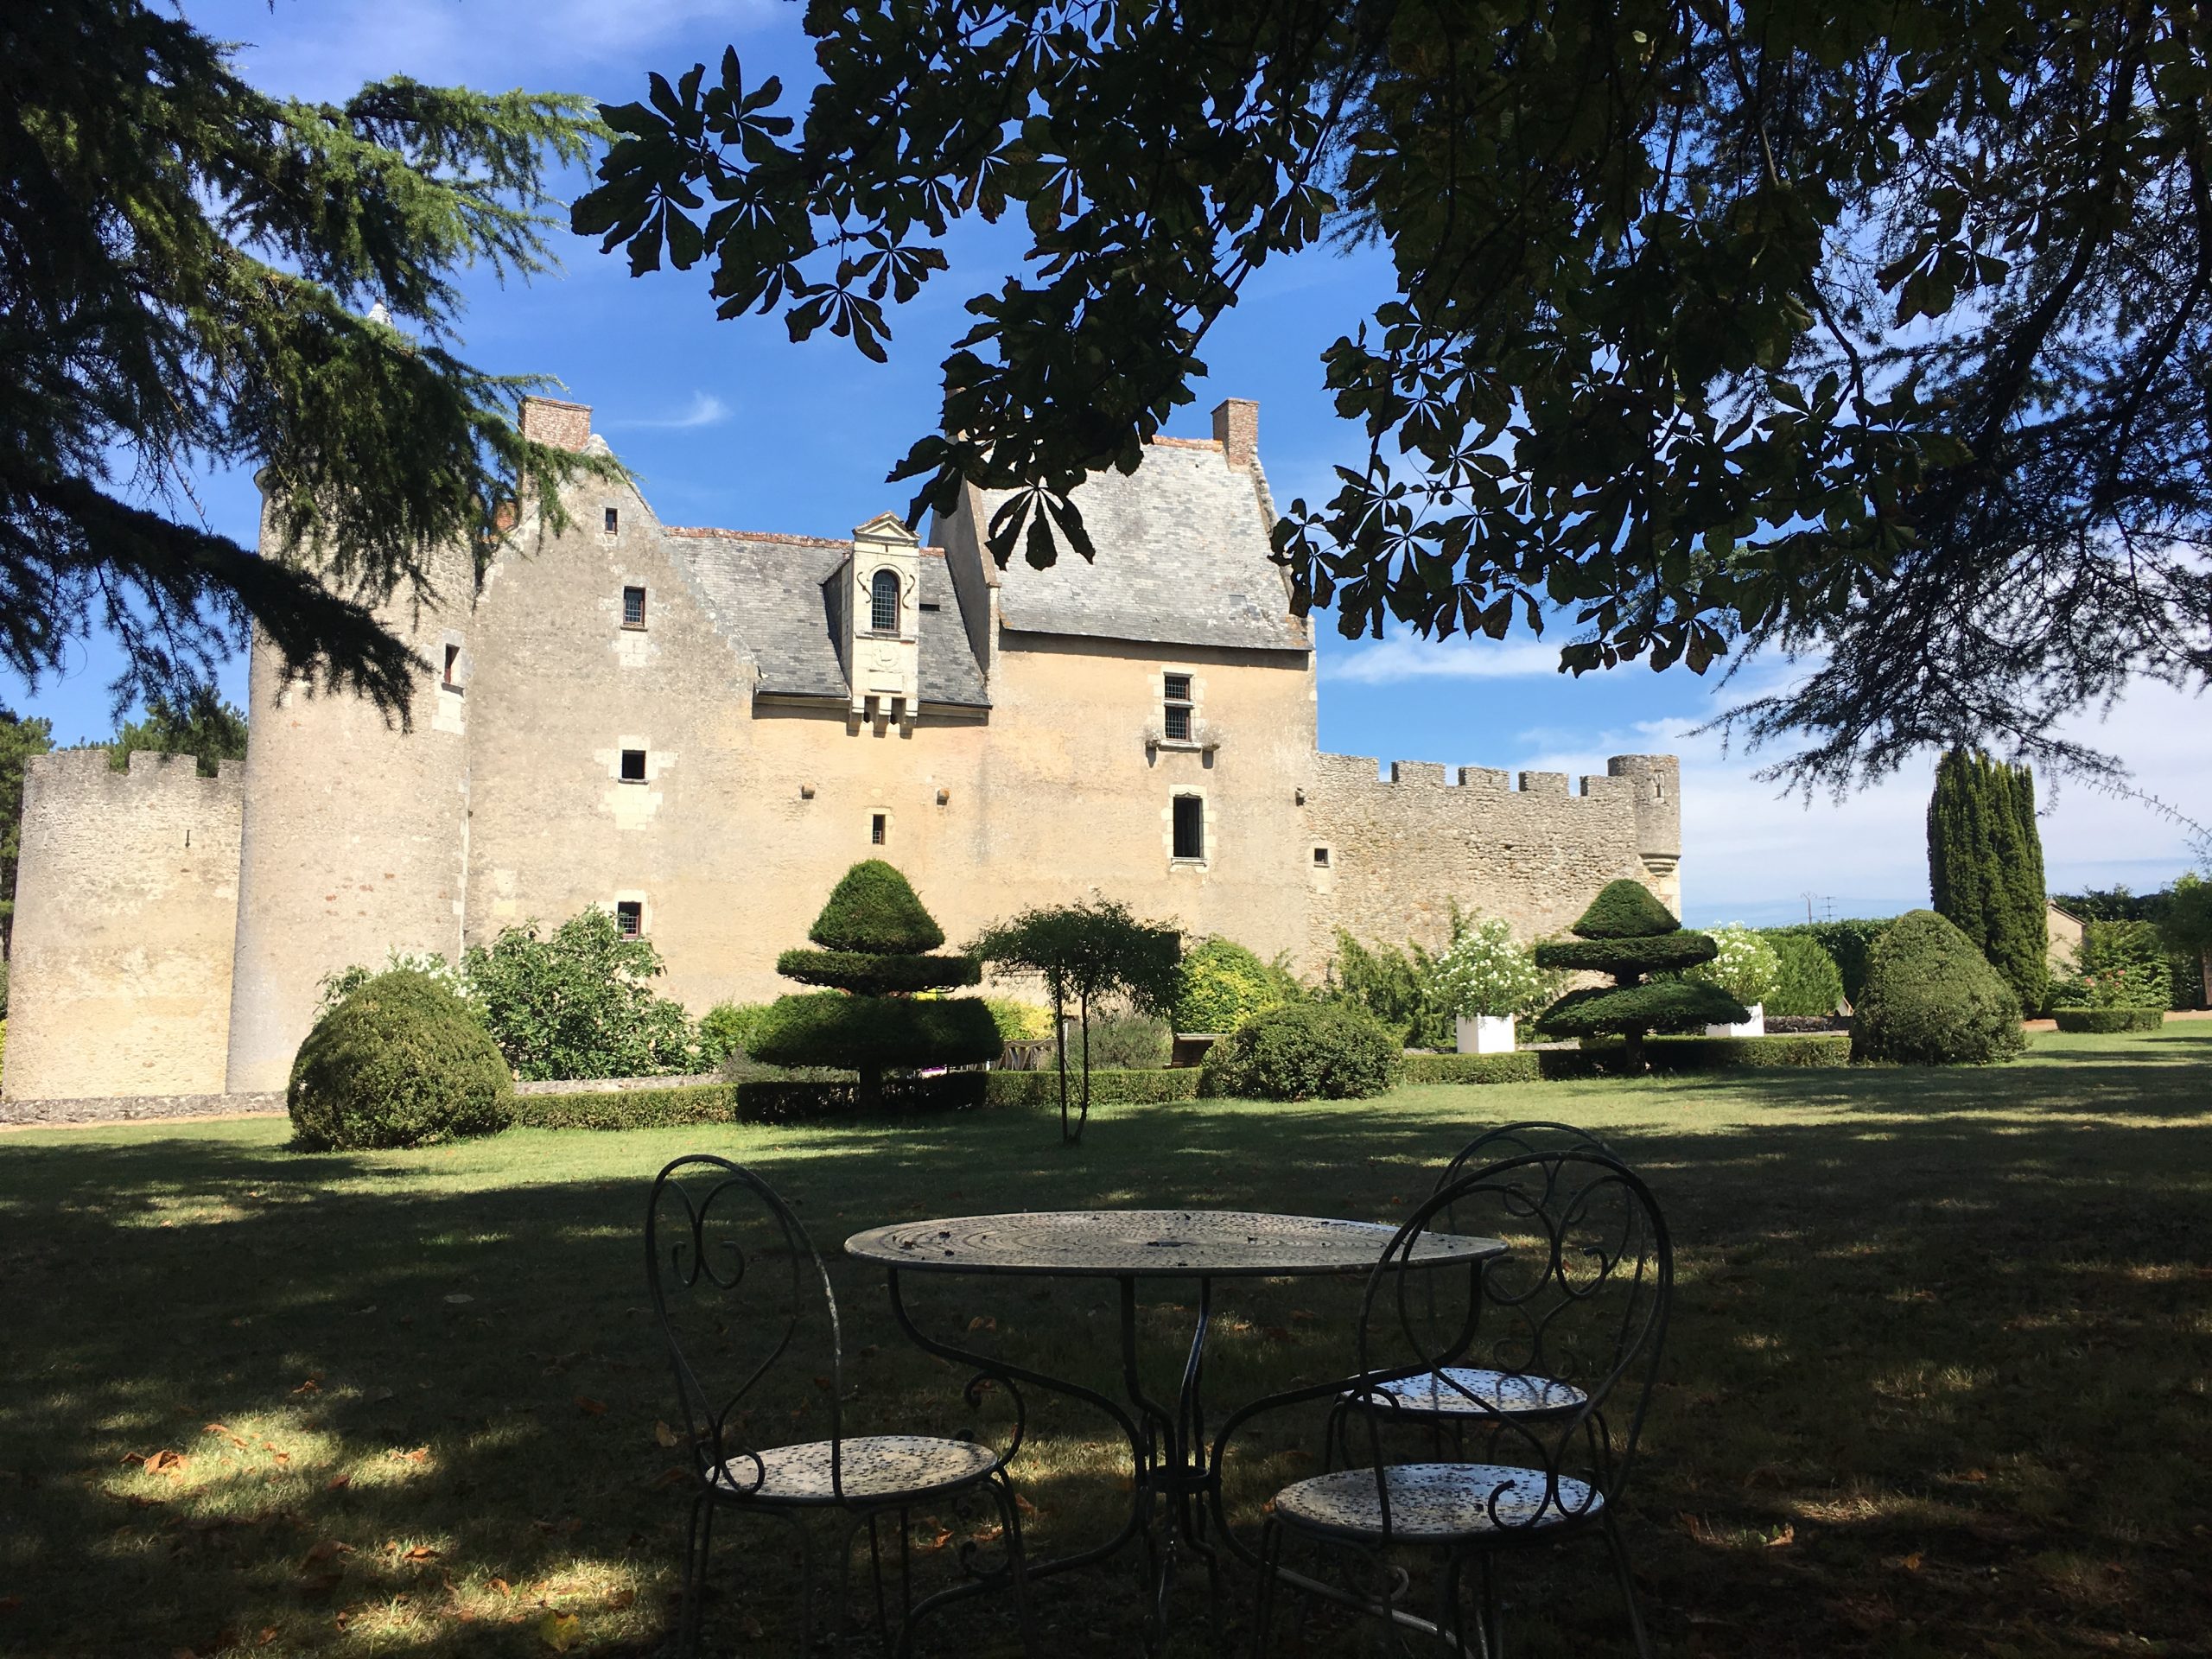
633	765
630	919
1179	688
1320	858
453	668
1190	826
879	827
613	521
634	607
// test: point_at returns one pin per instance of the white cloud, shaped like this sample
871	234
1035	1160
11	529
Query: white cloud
1402	657
704	410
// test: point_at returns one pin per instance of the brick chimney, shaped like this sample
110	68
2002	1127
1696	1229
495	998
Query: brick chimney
564	426
1236	429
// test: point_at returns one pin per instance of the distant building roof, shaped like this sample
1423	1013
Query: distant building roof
1182	547
766	593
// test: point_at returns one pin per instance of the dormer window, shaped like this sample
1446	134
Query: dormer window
883	603
1176	708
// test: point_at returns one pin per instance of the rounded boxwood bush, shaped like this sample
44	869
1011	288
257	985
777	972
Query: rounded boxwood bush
1932	999
399	1062
1304	1051
1223	985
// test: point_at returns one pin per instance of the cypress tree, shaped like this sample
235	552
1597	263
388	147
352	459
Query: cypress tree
1984	866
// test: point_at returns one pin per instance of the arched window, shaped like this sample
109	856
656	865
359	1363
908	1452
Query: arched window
883	603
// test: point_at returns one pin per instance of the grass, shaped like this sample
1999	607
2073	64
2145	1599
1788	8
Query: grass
1937	1383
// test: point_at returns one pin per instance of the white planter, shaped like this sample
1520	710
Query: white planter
1486	1033
1754	1026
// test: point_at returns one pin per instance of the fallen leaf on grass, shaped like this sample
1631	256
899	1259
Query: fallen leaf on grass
621	1599
420	1454
983	1322
339	1482
664	1435
557	1631
1911	1563
163	1462
319	1586
930	1534
312	1385
589	1406
500	1587
1787	1536
324	1551
671	1476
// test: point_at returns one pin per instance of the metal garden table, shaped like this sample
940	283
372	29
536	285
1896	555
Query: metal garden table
1176	1498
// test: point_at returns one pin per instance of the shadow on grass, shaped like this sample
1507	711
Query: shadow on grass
1936	1380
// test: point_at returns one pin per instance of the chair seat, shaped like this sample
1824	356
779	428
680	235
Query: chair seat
875	1467
1437	1503
1469	1391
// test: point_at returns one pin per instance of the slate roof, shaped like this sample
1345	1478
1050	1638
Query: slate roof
1182	547
766	593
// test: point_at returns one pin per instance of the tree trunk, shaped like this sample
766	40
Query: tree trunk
1083	1014
1060	1046
868	1093
1632	1053
2204	976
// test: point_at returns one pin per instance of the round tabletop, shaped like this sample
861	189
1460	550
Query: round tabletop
1119	1243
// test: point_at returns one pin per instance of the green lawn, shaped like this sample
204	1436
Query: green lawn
1937	1383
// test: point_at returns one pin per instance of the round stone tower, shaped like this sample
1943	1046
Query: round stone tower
1655	781
355	841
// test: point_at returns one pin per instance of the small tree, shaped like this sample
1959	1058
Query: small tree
1985	867
1083	953
2188	927
1627	933
876	944
578	1002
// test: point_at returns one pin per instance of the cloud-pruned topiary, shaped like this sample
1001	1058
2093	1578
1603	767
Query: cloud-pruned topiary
1304	1051
1931	998
872	910
401	1061
1627	933
875	938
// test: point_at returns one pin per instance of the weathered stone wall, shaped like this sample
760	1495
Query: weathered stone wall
1402	850
126	903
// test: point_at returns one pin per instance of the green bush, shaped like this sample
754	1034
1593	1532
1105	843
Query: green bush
1808	1048
1627	933
1624	910
858	1033
1807	982
1659	953
2117	965
1223	985
855	971
1108	1088
1522	1066
1608	1058
726	1029
1485	970
1123	1041
1304	1051
872	910
629	1109
2107	1021
400	1062
1932	999
1849	944
779	1101
1018	1022
1390	983
578	1002
1743	964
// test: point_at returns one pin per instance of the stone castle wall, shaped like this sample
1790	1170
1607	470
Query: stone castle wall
126	907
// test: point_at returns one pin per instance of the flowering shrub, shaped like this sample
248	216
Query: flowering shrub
1486	971
1745	966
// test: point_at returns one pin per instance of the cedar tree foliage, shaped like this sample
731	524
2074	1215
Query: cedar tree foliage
1985	867
189	270
1085	953
876	940
1627	933
1875	332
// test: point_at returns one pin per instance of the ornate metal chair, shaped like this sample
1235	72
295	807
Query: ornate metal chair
1594	1273
735	1280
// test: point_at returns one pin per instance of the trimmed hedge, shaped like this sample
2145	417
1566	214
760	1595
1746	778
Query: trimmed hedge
1827	1048
779	1102
873	910
1808	1048
856	970
1849	944
1521	1066
1108	1088
857	1032
400	1062
629	1109
2107	1021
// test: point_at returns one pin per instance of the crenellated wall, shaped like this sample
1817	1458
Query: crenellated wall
127	908
1401	851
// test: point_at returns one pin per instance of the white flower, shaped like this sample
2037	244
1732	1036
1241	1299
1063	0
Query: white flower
1745	968
1487	971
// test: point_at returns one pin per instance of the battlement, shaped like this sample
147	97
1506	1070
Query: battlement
85	775
1491	781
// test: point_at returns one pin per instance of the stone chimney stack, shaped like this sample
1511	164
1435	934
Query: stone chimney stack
547	420
1236	429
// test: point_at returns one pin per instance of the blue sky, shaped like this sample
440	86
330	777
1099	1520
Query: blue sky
729	424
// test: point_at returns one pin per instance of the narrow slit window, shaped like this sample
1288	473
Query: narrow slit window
883	603
1176	709
634	607
630	919
453	668
633	765
614	520
1190	826
879	828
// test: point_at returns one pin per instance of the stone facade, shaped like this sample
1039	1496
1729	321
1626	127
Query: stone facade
702	729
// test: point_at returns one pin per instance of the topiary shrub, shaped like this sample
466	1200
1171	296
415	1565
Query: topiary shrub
1807	982
1304	1051
1627	933
2105	1022
1932	999
1223	985
400	1062
873	911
